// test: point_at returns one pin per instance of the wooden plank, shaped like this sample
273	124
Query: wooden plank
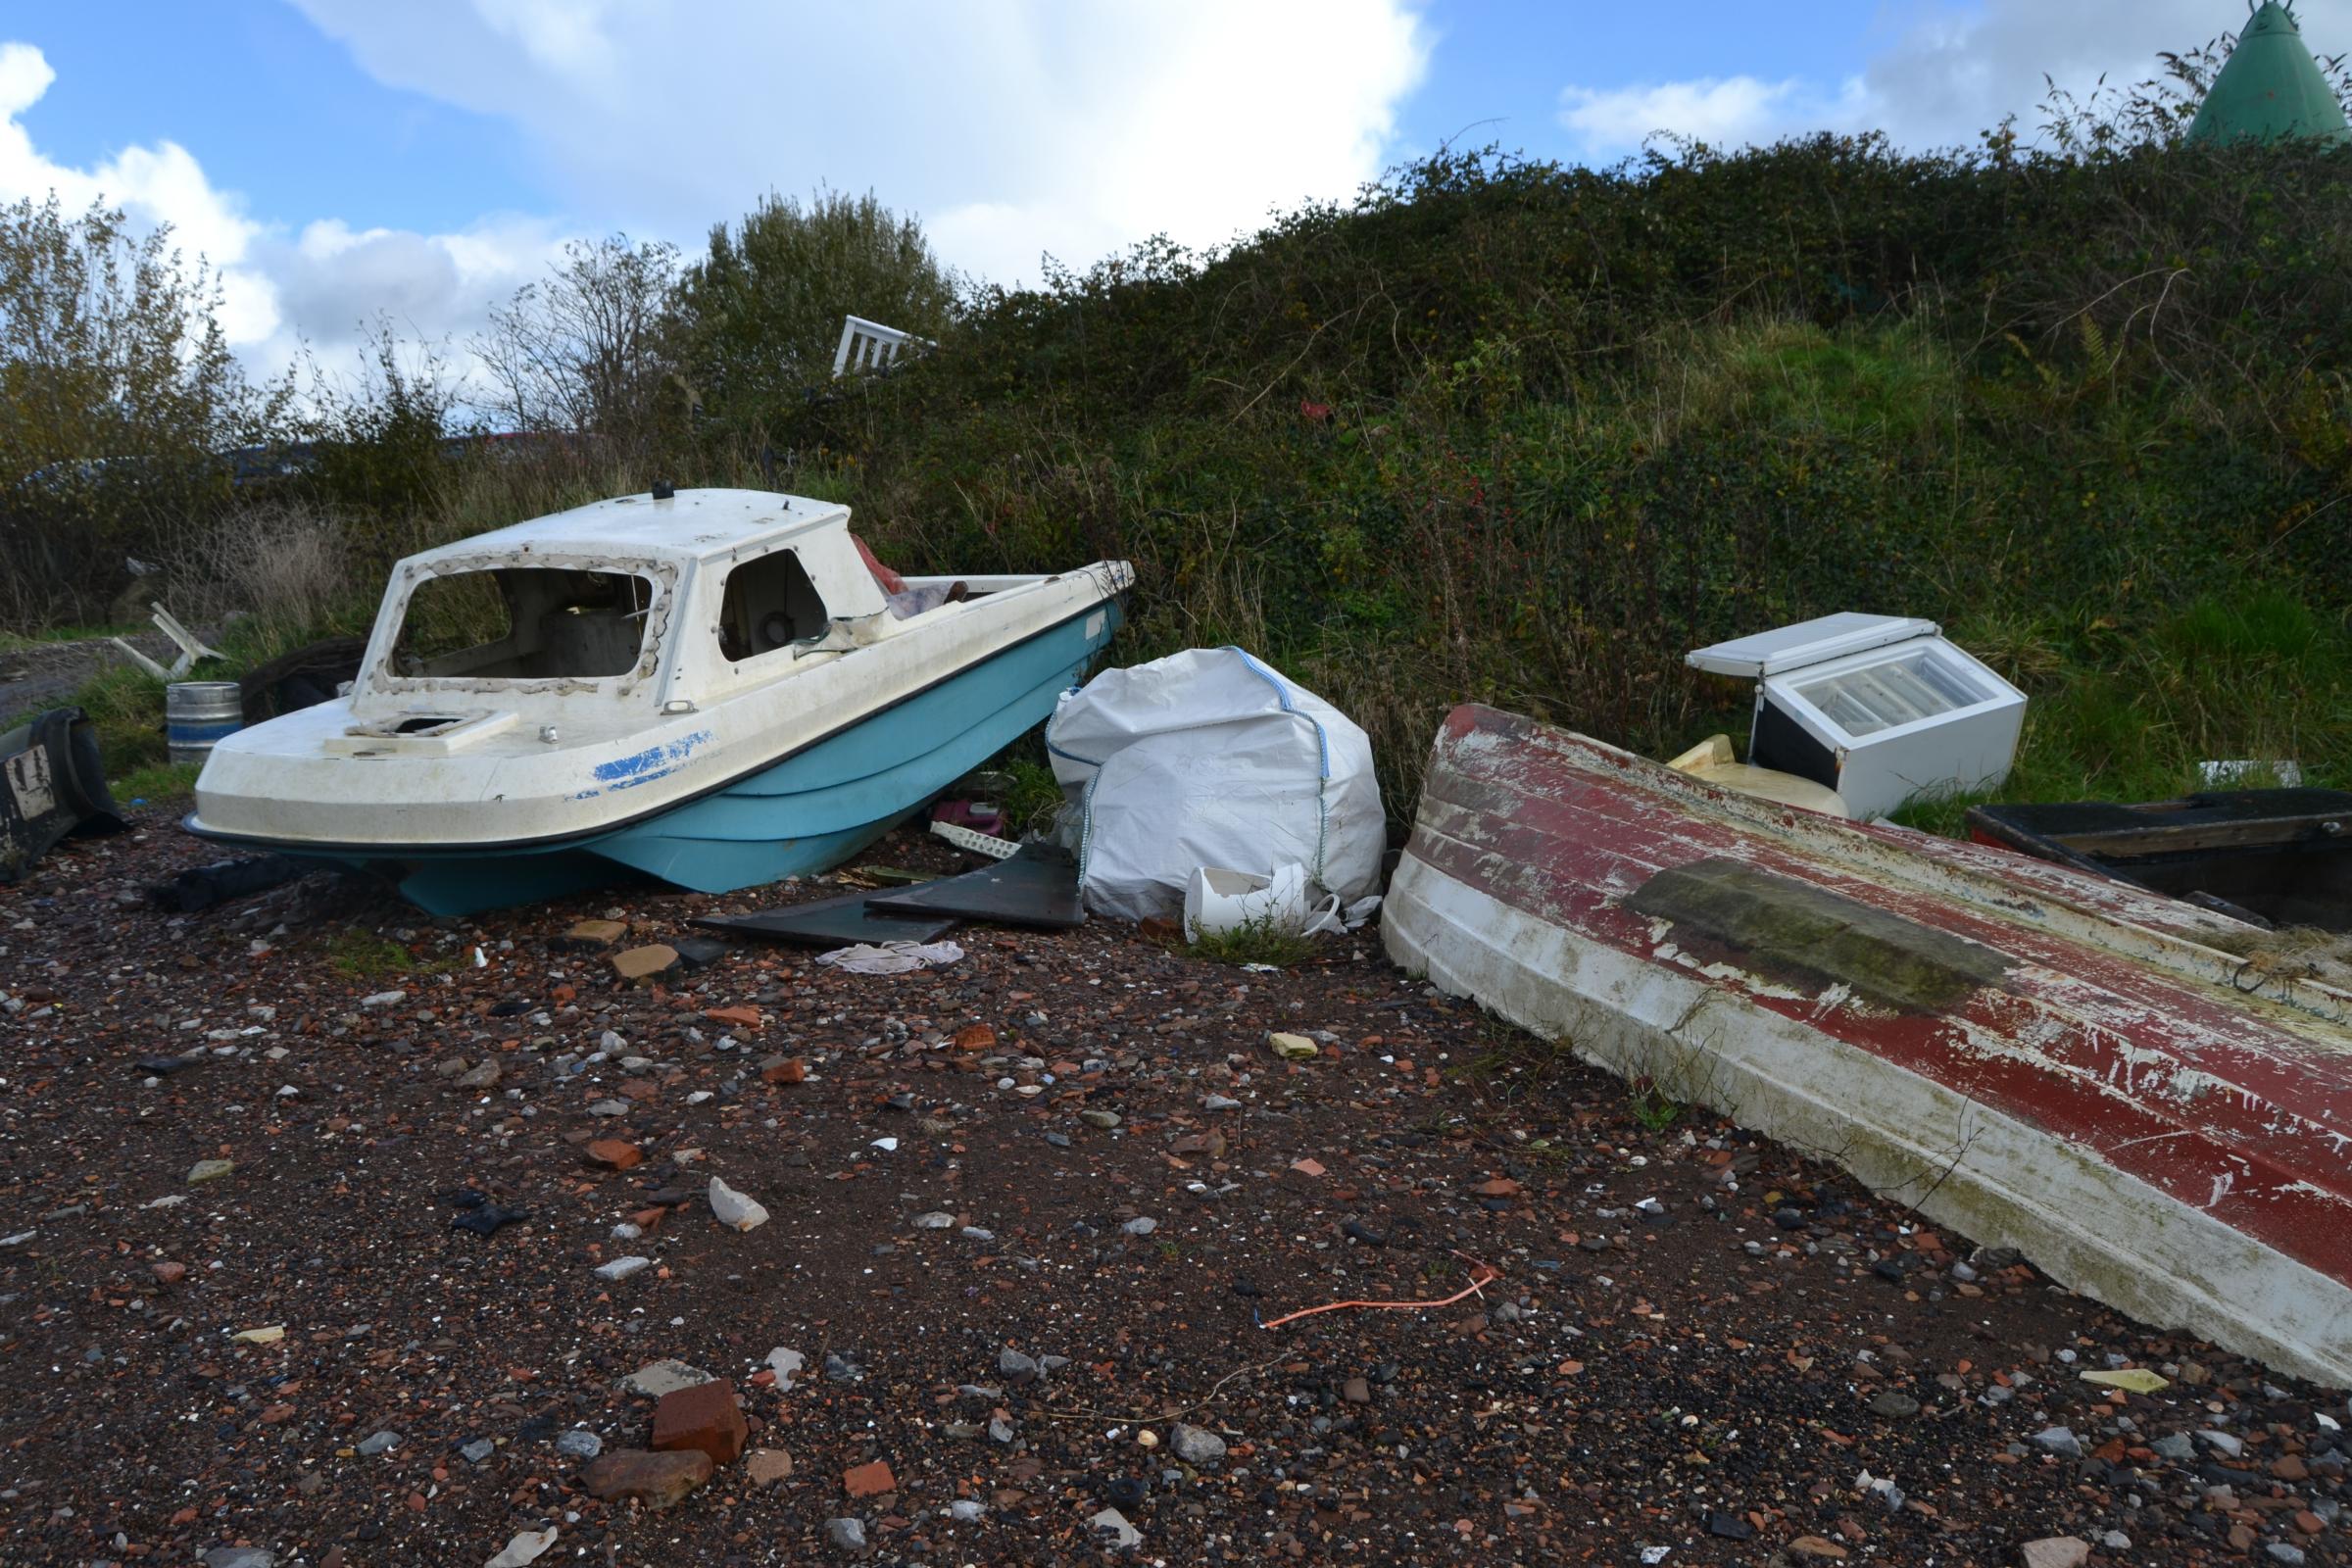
2333	828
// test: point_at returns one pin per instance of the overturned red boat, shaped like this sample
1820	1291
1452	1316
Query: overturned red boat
2150	1099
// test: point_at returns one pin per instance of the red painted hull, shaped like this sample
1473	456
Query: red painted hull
2128	1099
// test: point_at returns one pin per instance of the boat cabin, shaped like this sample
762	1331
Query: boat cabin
629	607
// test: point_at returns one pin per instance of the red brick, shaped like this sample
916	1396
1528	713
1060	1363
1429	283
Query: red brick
616	1152
656	1480
704	1418
869	1480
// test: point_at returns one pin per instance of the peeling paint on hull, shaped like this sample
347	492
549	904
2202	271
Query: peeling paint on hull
2117	1106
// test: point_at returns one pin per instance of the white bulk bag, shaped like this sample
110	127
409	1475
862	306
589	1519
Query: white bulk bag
1209	758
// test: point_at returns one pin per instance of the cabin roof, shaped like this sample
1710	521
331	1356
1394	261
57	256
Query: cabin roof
691	526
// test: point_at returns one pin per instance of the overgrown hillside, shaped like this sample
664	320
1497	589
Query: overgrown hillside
1523	434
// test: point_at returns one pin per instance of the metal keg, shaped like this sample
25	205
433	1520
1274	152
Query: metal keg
198	712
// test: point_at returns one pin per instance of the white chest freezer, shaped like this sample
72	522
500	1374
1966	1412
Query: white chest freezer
1878	708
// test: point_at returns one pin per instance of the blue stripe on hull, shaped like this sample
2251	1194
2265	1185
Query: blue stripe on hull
809	812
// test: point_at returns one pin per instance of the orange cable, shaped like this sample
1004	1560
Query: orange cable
1487	1274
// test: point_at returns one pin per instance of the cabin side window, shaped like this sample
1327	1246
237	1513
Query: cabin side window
769	603
522	623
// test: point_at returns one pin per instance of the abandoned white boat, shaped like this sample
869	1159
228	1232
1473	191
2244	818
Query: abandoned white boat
2150	1099
717	688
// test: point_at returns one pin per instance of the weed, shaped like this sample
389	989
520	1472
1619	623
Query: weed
358	954
1260	939
1034	799
1652	1106
157	783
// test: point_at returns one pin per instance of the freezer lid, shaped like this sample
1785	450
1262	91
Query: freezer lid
1808	642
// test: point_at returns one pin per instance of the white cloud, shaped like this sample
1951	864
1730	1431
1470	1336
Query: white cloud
1939	78
1015	129
322	285
1722	111
1018	128
159	184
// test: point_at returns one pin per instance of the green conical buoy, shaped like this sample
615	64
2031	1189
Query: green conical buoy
2270	88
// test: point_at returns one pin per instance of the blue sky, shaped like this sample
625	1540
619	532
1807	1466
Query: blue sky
341	158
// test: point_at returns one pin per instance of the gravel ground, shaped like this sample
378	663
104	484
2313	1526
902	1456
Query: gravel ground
37	676
1029	1215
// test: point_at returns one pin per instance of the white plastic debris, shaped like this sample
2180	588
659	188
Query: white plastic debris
1218	899
1338	919
2235	771
977	841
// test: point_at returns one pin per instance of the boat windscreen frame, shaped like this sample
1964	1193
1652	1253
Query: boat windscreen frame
379	675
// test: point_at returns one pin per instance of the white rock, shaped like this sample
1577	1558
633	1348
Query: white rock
524	1549
1195	1445
621	1268
734	1209
936	1220
2055	1551
384	998
786	1364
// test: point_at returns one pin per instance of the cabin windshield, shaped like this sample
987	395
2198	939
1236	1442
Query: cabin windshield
523	623
768	604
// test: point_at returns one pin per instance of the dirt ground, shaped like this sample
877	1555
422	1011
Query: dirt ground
1032	1216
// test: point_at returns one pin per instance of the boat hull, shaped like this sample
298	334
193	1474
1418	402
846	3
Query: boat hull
801	815
2034	1057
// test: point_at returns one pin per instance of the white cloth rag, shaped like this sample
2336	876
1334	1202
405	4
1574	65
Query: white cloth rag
891	957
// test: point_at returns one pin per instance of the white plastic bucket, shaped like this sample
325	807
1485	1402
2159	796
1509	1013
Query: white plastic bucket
1218	899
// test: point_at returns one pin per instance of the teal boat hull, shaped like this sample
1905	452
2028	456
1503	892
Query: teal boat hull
805	814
